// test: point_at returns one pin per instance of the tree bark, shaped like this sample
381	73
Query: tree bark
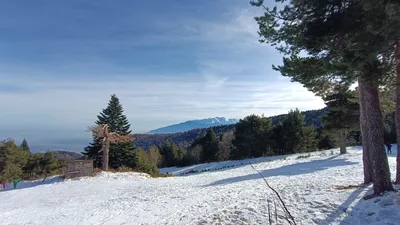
364	136
397	55
106	149
343	141
374	123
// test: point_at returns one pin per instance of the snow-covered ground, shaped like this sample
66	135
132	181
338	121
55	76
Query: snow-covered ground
228	196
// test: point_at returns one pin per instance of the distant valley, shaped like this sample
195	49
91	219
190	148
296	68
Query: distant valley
188	132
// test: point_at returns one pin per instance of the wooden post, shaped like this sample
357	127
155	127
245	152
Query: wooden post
101	131
105	147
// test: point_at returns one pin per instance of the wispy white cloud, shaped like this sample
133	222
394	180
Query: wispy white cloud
73	104
230	76
64	108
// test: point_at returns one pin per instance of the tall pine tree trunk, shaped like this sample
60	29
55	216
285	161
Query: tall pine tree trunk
343	141
376	147
364	136
106	149
397	55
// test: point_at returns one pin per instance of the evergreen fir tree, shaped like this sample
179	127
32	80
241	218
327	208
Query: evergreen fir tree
293	128
252	137
121	154
343	115
309	139
170	153
278	139
224	146
210	146
25	146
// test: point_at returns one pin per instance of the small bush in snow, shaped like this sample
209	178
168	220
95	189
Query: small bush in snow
303	156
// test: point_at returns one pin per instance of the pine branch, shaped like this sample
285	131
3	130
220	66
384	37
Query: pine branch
269	214
291	220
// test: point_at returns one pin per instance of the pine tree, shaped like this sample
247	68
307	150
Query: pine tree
343	45
224	146
170	153
193	156
25	146
278	139
121	154
210	146
12	160
309	139
252	137
48	163
326	140
293	132
343	115
397	56
144	164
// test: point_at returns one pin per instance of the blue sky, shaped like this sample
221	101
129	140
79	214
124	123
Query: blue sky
167	61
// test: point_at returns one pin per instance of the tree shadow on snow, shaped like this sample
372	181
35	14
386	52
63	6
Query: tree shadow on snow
342	215
289	170
34	183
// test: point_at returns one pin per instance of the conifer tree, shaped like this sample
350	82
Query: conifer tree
170	153
210	146
252	137
343	115
193	155
12	160
278	139
224	146
293	132
343	45
25	146
309	139
120	154
48	163
144	164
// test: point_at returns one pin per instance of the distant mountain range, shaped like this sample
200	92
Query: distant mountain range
194	124
183	135
186	138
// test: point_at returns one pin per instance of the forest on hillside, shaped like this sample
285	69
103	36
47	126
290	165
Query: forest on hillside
185	139
253	136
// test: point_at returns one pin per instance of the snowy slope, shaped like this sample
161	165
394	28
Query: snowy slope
229	196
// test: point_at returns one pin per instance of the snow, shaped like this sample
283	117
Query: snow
234	195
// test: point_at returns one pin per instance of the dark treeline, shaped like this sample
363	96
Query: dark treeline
337	125
17	162
185	139
253	136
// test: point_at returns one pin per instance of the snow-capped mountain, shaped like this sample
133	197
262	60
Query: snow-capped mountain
193	124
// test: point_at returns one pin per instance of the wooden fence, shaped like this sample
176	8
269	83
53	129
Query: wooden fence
79	168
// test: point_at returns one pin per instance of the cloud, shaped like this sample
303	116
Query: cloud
180	69
47	110
74	103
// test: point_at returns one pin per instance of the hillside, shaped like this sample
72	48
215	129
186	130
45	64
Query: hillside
183	138
194	124
308	186
66	155
312	117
